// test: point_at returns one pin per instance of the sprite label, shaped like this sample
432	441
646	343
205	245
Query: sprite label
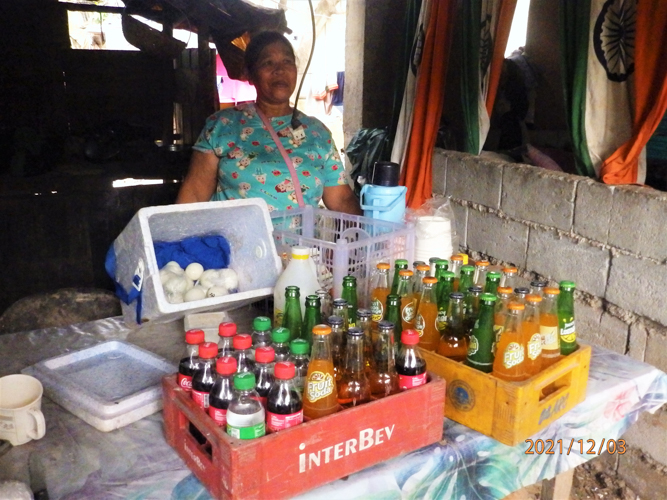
251	432
568	332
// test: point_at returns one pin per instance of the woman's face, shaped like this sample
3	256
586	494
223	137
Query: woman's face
274	75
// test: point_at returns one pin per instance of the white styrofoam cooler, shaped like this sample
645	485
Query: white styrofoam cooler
245	224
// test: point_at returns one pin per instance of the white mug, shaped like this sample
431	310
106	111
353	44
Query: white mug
21	418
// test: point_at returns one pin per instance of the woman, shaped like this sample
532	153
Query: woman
236	156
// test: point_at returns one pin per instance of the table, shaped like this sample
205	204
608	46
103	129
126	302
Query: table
79	462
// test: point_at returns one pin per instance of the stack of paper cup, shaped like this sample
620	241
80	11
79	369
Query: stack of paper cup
433	238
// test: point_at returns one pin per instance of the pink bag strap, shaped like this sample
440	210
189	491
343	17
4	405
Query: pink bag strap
288	160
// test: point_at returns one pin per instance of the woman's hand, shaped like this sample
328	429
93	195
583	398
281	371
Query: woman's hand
202	178
341	199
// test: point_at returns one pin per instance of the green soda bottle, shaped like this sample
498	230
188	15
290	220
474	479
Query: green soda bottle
312	317
293	320
492	282
393	315
480	346
566	324
471	308
399	266
350	295
466	280
446	288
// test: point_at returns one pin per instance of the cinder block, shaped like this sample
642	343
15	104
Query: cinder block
439	165
460	222
656	348
472	179
649	434
503	239
592	209
638	340
539	195
638	285
641	474
563	258
599	328
638	221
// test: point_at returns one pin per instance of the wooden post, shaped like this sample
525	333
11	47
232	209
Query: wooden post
559	487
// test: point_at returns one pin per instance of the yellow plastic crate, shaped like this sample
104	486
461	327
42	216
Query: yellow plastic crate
511	412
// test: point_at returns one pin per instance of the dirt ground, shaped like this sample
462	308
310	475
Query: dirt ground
593	481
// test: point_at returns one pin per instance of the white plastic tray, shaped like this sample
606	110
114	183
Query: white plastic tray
109	385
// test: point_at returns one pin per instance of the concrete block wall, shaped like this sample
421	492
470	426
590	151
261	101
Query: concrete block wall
610	240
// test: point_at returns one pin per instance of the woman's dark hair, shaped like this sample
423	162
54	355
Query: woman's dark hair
258	43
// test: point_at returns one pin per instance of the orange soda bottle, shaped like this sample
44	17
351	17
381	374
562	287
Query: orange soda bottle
455	264
549	327
500	312
427	315
379	291
481	268
509	277
531	332
408	299
510	361
319	395
453	340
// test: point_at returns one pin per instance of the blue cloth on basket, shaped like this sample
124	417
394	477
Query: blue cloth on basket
212	252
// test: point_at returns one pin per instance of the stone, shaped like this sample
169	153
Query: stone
475	180
656	348
638	220
638	285
597	327
637	340
650	434
564	258
538	195
592	209
641	475
439	166
503	239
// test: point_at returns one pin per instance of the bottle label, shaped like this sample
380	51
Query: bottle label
319	385
185	381
377	310
473	346
441	320
410	381
549	338
513	355
201	398
420	324
219	416
534	346
278	317
408	312
568	332
276	422
498	331
252	432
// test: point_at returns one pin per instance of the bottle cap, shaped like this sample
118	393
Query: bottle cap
242	341
538	284
423	267
340	303
299	346
448	275
495	275
385	325
467	269
516	306
284	370
322	329
227	329
456	296
551	291
383	265
510	270
261	324
522	290
355	331
475	290
441	262
226	365
533	298
300	253
335	321
400	262
418	263
405	272
364	313
457	257
194	337
488	297
430	280
482	263
505	290
244	381
410	337
434	260
208	350
567	285
280	335
265	354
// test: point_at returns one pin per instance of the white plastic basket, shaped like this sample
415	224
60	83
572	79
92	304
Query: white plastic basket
343	244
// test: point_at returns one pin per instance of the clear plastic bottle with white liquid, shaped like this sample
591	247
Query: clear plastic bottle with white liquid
299	272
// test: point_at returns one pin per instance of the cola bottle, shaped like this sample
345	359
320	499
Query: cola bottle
204	376
410	365
284	407
222	391
264	357
188	364
242	346
226	333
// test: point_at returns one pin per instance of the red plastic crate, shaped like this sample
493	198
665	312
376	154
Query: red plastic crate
295	460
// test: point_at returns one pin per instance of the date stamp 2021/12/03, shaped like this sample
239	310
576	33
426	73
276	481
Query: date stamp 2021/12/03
580	446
